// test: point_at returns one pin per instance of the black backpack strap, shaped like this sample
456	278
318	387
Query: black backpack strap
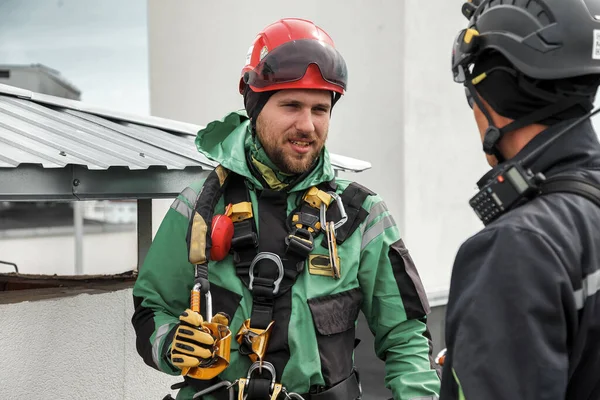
352	198
572	184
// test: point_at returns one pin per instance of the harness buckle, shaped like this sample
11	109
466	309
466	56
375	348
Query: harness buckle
249	239
300	241
268	256
317	198
312	222
240	211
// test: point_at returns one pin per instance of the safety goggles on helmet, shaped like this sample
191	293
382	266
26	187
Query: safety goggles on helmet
462	61
463	58
289	62
463	53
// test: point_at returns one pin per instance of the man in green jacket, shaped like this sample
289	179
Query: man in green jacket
308	252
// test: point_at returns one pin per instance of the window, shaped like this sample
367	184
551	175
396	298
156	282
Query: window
42	237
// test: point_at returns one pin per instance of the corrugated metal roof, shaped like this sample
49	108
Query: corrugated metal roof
55	148
32	133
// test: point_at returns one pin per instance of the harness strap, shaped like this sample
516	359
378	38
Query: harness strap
245	237
294	243
572	184
272	213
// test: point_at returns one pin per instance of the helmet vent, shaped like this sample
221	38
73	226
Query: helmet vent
536	8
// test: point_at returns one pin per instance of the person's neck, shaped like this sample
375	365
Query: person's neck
513	142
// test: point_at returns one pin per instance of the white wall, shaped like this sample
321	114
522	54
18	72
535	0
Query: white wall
75	348
443	154
402	111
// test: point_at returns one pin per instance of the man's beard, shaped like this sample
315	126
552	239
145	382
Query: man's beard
276	153
285	165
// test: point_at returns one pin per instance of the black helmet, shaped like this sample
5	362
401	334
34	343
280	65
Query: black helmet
544	39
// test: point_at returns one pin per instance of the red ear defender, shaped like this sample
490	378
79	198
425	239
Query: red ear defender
221	235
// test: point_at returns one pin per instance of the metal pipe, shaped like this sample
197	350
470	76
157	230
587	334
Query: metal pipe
13	264
78	228
215	387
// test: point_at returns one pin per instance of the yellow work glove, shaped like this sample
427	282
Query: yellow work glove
192	344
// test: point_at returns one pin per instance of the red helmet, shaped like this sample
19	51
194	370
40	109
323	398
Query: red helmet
294	53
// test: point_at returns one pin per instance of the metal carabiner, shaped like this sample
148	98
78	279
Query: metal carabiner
343	215
292	395
256	365
216	387
259	366
269	256
209	313
208	297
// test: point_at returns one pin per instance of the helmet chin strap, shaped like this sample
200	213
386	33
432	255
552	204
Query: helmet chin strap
492	134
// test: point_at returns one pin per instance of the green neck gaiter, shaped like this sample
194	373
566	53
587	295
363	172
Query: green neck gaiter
276	179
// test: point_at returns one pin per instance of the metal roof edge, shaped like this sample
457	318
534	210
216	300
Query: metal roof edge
15	91
349	164
154	122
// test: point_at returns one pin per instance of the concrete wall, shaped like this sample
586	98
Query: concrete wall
79	347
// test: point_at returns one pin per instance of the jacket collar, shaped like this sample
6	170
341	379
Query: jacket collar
223	141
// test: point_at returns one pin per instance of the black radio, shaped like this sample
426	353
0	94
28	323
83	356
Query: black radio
504	191
514	182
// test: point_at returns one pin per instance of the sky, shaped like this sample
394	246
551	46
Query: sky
101	47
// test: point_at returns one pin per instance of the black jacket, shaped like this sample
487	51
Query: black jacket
523	316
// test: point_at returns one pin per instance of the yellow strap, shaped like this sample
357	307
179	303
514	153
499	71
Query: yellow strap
198	240
240	211
315	197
